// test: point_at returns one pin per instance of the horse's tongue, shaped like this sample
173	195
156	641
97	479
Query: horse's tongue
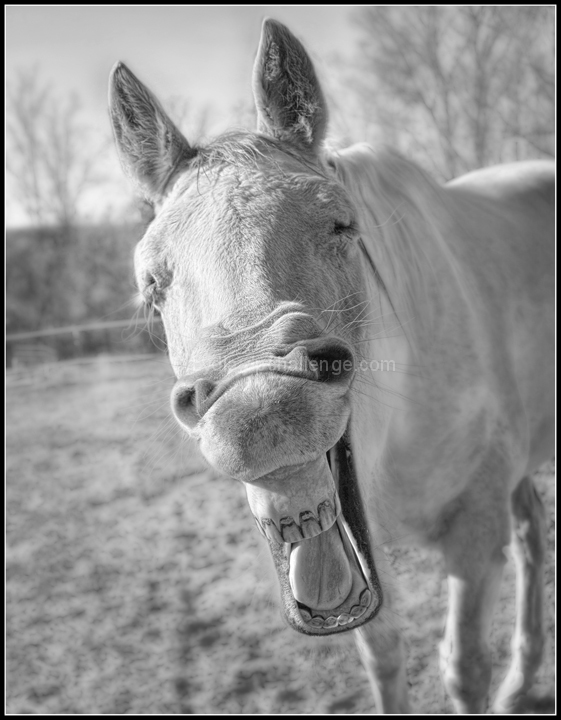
320	575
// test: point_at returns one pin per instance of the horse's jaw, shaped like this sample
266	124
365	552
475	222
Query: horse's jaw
326	571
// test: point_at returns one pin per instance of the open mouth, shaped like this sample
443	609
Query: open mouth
326	570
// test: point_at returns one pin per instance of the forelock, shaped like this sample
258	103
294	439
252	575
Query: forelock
245	148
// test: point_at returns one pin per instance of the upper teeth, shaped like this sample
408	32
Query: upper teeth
296	502
310	524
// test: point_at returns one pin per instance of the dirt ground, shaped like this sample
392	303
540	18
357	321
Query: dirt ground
138	583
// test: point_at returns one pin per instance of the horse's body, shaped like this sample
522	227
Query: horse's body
371	353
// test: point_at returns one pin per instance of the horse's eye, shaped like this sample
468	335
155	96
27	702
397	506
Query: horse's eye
345	228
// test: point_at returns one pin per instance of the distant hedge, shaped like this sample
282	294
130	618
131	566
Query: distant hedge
63	276
57	277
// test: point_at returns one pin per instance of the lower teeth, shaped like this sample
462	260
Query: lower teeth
318	621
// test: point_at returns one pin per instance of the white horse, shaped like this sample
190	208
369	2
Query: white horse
372	354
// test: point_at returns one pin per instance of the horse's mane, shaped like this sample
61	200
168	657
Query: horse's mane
402	214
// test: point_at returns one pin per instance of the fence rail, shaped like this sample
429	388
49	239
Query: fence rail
72	341
72	329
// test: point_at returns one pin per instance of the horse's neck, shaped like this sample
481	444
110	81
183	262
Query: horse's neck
415	296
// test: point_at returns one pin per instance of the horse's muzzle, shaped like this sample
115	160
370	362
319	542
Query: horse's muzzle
326	360
279	410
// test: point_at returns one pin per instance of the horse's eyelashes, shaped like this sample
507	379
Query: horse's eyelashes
148	293
154	285
151	291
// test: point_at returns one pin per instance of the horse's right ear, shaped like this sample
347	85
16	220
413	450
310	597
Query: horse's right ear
150	147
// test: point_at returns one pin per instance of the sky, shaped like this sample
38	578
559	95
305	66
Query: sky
201	53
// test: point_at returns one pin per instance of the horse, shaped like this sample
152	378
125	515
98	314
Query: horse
369	352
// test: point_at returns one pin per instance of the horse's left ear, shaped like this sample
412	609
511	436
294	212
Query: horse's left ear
290	103
151	149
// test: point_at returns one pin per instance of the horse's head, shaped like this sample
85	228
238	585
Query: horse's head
252	261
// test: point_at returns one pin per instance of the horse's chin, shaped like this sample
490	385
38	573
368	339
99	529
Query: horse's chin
328	579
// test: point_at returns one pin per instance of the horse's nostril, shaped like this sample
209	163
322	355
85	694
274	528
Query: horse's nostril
185	398
333	362
189	400
202	389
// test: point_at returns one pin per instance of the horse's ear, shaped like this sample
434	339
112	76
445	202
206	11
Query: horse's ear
290	103
150	147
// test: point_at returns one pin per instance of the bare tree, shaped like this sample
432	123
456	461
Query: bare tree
51	165
192	121
49	161
463	86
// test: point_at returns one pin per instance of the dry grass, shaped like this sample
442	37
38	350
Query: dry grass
137	582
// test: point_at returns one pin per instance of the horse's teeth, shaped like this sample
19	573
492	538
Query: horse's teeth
357	611
326	514
310	525
271	531
293	496
317	621
343	619
290	531
365	598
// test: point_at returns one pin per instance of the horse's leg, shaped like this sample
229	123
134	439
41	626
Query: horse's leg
528	549
465	655
473	549
382	653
